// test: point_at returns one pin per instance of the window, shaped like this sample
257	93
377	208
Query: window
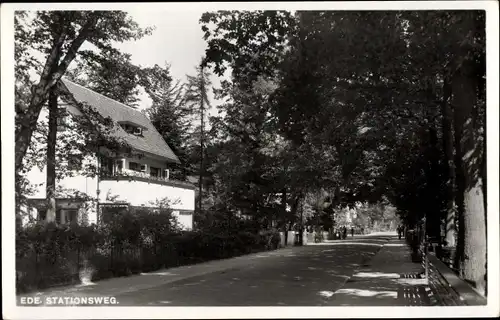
70	216
42	214
58	216
128	128
63	216
155	172
119	165
143	168
138	131
106	165
132	129
134	166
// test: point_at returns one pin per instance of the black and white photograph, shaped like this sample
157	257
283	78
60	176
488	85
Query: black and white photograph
250	160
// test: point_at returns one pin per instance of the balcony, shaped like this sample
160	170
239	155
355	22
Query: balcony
139	189
132	175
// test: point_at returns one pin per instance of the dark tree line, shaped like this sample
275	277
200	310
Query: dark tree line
363	105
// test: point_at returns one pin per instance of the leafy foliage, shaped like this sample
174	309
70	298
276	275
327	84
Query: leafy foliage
57	37
137	240
110	73
169	114
357	103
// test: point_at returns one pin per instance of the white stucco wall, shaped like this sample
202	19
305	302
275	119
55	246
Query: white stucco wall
139	193
87	185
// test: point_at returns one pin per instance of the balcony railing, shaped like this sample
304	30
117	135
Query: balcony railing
131	175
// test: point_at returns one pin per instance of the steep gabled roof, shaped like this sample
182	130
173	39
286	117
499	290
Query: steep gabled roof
151	141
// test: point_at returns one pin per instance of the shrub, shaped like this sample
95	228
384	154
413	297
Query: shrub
318	237
48	254
137	240
273	239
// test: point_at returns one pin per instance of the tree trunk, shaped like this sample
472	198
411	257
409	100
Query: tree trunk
301	226
51	74
450	220
459	197
434	215
283	211
294	208
473	222
51	157
18	201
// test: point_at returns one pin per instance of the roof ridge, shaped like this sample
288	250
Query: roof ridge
100	94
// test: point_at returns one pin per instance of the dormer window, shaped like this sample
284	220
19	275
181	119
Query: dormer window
132	129
137	131
127	128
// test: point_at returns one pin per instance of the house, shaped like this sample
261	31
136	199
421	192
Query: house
136	176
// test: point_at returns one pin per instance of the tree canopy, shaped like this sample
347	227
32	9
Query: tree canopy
365	105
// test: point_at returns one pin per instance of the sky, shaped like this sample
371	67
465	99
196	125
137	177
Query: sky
177	40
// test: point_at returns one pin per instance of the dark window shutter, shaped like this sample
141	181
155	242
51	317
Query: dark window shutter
42	215
58	216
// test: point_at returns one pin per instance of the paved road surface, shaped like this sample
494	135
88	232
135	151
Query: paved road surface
301	276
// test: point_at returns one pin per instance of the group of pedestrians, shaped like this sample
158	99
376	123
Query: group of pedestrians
400	230
342	232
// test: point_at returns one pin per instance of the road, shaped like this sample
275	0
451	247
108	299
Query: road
300	276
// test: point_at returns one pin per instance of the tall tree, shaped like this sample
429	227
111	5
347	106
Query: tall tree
252	44
196	98
169	115
469	147
59	36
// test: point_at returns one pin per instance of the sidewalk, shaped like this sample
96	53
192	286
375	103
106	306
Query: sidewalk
121	285
389	279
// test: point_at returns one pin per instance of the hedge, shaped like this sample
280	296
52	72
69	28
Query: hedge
50	255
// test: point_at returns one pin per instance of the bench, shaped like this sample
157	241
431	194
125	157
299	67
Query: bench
456	286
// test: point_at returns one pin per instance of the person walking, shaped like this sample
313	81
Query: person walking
399	232
345	232
352	232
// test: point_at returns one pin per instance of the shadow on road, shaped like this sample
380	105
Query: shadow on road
300	276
